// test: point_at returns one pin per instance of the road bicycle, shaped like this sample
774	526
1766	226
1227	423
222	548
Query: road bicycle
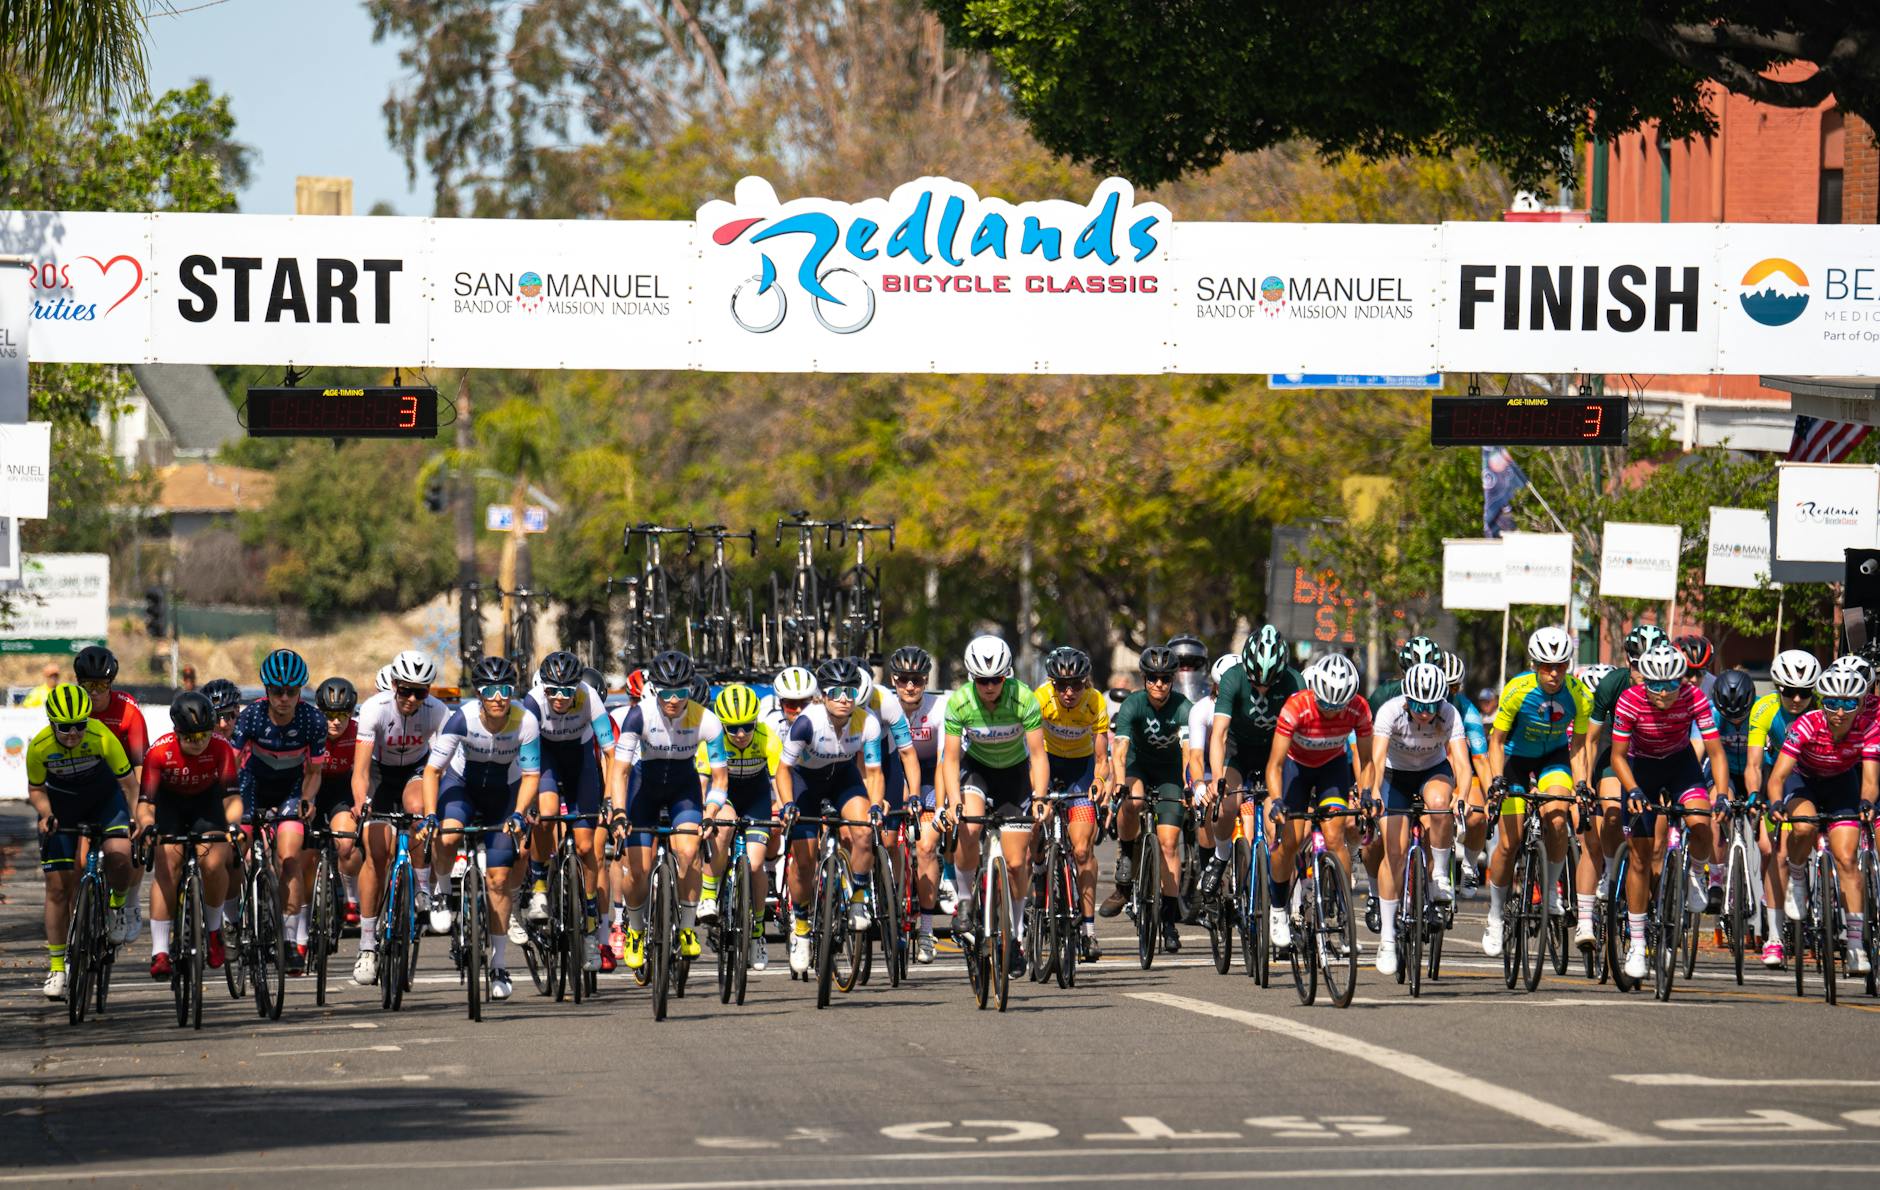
739	922
1144	905
1325	932
987	944
89	952
666	969
855	608
1869	863
1821	927
1421	922
556	950
722	638
470	934
1054	915
1526	916
255	943
399	935
1254	858
1742	881
327	916
801	616
885	916
652	602
519	627
189	940
837	951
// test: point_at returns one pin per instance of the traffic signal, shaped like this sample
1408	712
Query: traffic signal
434	498
156	612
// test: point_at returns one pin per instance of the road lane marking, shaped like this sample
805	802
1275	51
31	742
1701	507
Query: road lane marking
381	1048
1705	1080
1479	1091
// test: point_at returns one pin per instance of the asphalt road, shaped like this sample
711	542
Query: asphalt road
1170	1075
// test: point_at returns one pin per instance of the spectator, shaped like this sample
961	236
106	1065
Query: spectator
189	677
37	696
1487	701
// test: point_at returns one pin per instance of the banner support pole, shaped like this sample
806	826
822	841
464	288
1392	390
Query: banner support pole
1780	593
1506	611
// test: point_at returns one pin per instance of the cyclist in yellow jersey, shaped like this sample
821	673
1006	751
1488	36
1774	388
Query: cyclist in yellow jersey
752	751
1077	747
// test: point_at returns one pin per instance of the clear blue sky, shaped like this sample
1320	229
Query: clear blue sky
306	84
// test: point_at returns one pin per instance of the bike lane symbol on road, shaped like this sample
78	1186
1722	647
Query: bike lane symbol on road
1760	1120
1003	1132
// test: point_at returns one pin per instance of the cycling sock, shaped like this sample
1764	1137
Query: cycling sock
1635	928
538	873
159	940
1018	913
116	899
688	914
1224	850
1797	875
1440	859
300	924
423	877
1551	881
1388	920
1856	930
620	913
499	949
368	933
636	917
287	927
55	955
1282	892
351	885
926	922
1090	926
801	928
232	908
1171	909
212	918
1777	920
1497	897
708	885
1587	902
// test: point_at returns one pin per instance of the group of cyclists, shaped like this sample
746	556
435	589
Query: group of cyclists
1202	747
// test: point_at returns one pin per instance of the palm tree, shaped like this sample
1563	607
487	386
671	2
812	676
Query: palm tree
69	53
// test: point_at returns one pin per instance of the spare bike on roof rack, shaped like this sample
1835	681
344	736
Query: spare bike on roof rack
722	637
654	605
802	613
855	619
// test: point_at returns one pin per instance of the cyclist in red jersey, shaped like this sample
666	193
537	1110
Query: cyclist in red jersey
1310	765
338	700
189	784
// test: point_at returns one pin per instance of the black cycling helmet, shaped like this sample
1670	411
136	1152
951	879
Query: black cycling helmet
1189	652
594	678
336	696
191	712
910	661
1067	664
1157	662
493	671
1418	650
560	669
1641	638
1734	694
95	663
223	695
838	671
670	670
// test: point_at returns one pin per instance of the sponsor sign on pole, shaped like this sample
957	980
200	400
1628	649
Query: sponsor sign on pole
1738	553
1825	509
1538	567
25	470
63	604
1639	561
1473	574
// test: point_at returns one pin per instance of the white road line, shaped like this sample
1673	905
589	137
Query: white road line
1705	1080
381	1048
1479	1091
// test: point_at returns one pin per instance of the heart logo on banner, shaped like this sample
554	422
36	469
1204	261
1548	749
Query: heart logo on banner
104	270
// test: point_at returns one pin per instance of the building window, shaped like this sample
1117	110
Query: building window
1833	159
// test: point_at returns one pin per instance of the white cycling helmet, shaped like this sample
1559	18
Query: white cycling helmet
384	679
865	680
1663	662
1842	682
1424	682
795	682
1795	669
1855	662
1222	664
988	657
1593	675
1453	669
413	668
1550	646
1333	680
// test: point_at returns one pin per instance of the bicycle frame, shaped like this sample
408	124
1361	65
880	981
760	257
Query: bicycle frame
399	935
89	953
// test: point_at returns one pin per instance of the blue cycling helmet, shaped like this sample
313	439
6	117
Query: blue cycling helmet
283	667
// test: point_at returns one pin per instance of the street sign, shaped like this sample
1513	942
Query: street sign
1292	380
499	518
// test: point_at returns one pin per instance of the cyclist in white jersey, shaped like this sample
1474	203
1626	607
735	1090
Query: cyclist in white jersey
484	769
396	727
576	733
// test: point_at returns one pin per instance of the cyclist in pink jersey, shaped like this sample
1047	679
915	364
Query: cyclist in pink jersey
1652	757
1830	766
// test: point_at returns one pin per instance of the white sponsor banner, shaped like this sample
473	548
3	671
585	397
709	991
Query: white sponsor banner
1796	289
1580	297
935	277
16	316
1538	567
579	295
18	725
1825	509
61	597
1472	574
25	470
1639	561
1738	553
89	283
1326	297
290	289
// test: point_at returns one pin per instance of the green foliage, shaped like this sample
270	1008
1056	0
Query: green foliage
91	490
341	534
69	52
1155	91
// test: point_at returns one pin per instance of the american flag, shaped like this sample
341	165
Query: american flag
1819	441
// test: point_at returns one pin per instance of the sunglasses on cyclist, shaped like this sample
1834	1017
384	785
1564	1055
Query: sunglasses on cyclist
1157	679
496	690
1795	692
227	716
71	728
560	691
1068	687
793	704
1665	687
1423	708
337	716
673	695
282	691
96	685
910	679
740	728
988	681
411	691
1840	704
838	693
194	737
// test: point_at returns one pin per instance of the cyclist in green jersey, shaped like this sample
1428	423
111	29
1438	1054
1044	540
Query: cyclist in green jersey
1152	750
994	762
1246	710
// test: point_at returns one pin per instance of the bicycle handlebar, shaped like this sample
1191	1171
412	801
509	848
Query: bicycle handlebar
722	534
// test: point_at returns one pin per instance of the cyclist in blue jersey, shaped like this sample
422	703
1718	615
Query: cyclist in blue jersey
576	733
282	739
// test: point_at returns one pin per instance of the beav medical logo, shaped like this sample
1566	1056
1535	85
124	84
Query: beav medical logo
933	239
1774	292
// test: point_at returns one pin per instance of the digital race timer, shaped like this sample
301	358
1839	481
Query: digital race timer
1528	421
408	412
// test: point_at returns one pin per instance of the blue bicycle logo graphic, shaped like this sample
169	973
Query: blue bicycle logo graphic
759	304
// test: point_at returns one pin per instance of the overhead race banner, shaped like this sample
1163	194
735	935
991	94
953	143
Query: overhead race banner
1825	509
936	277
1738	553
1472	574
1537	567
1639	561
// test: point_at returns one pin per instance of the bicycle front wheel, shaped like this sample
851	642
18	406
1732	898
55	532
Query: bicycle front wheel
1148	893
1304	951
999	936
80	938
1338	942
1067	919
319	936
1530	888
662	932
738	930
573	909
1413	949
270	944
1827	923
830	921
1668	926
1560	925
237	934
1736	908
470	926
195	944
1870	903
1256	940
887	916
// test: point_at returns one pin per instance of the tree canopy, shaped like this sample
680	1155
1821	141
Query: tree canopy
1156	91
